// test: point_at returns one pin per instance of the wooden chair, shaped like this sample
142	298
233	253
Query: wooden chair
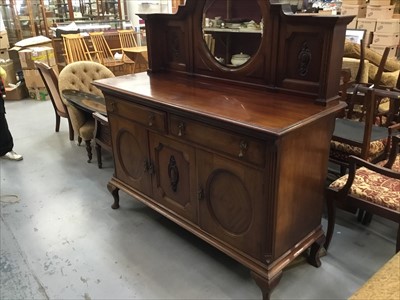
373	188
76	49
127	40
362	137
50	79
356	99
103	52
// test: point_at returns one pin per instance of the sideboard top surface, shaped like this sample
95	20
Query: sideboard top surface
266	111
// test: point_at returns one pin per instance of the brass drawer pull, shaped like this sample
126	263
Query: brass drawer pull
152	118
181	128
243	148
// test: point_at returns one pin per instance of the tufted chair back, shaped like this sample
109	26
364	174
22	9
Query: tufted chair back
79	76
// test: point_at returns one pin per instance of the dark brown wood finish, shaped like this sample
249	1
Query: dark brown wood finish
237	156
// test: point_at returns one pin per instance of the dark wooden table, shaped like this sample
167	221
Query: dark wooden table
96	106
88	102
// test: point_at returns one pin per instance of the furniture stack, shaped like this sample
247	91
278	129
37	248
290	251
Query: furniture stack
28	57
377	18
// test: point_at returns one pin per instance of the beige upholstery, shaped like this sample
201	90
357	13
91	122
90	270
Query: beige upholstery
391	69
78	76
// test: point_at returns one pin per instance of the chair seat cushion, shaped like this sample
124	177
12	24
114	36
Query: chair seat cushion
342	150
373	187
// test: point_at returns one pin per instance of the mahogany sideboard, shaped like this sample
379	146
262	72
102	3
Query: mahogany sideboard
236	155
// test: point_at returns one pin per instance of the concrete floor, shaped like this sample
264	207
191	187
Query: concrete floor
61	240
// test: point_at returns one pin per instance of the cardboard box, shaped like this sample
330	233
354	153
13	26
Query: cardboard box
379	2
8	66
39	94
33	79
385	39
353	2
44	54
4	43
367	24
380	12
358	10
4	55
18	92
388	26
381	48
32	42
352	24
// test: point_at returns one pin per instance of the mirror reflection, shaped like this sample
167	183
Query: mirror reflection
232	30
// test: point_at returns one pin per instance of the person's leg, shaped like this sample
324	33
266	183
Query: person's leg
6	141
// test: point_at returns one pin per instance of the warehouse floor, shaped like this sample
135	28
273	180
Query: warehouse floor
61	240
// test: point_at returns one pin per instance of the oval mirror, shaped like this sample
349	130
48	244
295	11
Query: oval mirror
232	30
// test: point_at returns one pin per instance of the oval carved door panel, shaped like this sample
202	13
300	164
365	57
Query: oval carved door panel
131	154
230	206
229	202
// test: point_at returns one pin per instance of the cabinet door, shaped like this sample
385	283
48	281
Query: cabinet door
130	149
230	202
174	175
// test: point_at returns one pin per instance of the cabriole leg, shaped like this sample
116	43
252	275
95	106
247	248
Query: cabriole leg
266	286
114	192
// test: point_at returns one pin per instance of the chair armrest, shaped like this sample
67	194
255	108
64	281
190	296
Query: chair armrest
358	162
355	162
394	151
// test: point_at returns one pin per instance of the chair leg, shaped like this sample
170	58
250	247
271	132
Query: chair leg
71	131
367	218
398	240
98	153
89	150
57	123
331	221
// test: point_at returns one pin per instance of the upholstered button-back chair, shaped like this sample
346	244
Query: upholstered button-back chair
79	76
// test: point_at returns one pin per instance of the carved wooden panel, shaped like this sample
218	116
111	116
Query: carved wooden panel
230	203
173	181
130	154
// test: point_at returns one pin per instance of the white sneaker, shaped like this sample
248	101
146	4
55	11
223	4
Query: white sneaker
12	156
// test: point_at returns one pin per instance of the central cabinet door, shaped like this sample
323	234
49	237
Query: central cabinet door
230	206
130	149
174	175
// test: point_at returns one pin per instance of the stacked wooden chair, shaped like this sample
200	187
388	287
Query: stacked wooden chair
364	136
104	54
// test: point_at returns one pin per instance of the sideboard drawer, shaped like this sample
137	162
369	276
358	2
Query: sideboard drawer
148	117
236	145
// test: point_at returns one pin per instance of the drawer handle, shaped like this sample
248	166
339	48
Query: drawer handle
243	148
181	128
200	194
148	167
112	107
152	117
